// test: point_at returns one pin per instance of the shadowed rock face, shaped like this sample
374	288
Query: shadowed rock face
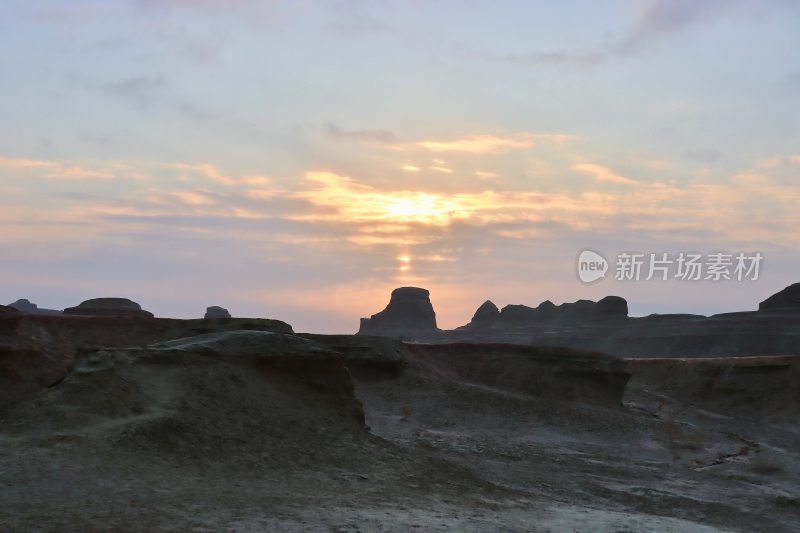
108	307
8	311
788	298
217	312
409	312
29	308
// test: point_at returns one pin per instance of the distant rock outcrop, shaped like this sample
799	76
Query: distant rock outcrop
409	312
486	315
521	315
603	326
612	306
216	312
788	298
27	307
109	307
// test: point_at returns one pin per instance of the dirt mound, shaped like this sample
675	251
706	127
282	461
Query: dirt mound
737	386
235	394
555	373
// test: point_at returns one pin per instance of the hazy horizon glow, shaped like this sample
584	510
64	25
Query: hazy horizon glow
299	160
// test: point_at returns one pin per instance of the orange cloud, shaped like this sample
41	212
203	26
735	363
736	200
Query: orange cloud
493	144
54	169
486	175
211	172
602	173
790	161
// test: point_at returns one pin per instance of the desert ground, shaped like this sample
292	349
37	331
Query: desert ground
238	430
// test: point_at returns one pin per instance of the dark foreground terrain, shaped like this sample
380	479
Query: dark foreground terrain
246	426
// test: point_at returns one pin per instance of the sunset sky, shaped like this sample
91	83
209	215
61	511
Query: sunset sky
298	160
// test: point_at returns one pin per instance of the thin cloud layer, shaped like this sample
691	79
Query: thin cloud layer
493	144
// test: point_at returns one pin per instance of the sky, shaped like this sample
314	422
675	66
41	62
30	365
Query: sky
298	160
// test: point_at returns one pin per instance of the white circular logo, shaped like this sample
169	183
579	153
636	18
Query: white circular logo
591	266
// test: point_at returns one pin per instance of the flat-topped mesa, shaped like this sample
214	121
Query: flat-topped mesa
409	313
216	312
109	307
26	307
788	300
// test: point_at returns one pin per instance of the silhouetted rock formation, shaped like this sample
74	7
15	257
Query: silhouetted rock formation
409	313
614	306
6	310
605	326
547	311
29	308
109	307
486	315
788	298
217	312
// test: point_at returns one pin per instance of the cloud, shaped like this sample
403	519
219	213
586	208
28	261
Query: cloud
444	170
375	217
661	18
473	144
140	90
355	17
484	175
493	144
195	197
371	136
704	156
537	58
789	161
751	205
533	58
211	172
54	169
200	5
602	173
658	19
78	12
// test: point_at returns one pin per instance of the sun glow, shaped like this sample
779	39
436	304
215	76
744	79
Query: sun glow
356	202
420	207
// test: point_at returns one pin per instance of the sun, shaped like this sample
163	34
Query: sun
420	207
405	262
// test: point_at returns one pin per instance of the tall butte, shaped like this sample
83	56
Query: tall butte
409	313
